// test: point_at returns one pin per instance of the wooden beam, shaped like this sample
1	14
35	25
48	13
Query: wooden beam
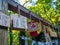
3	27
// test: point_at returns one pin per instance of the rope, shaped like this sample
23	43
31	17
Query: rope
30	17
18	10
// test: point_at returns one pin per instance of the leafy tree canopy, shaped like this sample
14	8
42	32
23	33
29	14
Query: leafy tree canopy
44	8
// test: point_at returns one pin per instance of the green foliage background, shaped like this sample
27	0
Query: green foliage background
44	8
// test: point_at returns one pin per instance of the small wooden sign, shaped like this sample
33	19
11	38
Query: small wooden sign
16	23
19	22
23	22
52	33
4	20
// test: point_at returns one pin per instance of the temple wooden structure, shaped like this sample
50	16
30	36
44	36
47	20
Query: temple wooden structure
13	6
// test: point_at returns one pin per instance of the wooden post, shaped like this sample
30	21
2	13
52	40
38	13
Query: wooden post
0	5
3	37
3	32
5	6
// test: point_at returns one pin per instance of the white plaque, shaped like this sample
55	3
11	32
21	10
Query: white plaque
16	23
23	22
5	20
19	22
